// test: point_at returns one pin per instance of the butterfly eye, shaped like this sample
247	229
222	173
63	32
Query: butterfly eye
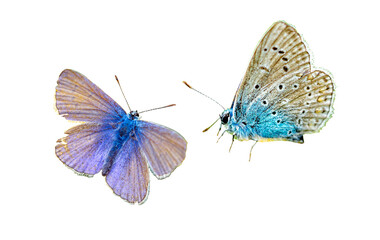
135	114
224	118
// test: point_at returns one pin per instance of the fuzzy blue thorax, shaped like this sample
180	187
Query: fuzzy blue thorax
128	127
239	129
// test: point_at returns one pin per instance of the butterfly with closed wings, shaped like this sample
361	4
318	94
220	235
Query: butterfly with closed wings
279	98
112	141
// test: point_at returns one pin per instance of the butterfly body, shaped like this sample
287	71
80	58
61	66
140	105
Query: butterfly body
124	130
280	98
112	141
259	125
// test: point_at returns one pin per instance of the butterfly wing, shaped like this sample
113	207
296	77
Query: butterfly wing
164	148
279	95
308	101
78	99
86	147
160	147
129	175
304	106
281	55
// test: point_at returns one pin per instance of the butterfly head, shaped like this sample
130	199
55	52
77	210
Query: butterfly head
134	115
225	116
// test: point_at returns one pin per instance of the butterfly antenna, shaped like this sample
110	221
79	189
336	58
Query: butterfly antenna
117	80
210	126
202	94
171	105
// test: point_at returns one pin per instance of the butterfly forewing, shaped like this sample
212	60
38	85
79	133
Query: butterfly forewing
78	99
279	57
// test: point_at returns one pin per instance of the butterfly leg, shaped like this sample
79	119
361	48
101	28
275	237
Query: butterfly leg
220	127
221	136
233	139
250	152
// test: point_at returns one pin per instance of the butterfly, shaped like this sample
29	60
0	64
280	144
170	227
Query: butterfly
279	98
112	141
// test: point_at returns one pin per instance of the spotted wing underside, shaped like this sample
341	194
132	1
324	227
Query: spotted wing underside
280	56
279	94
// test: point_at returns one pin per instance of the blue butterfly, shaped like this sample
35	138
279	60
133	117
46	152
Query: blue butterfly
113	141
279	97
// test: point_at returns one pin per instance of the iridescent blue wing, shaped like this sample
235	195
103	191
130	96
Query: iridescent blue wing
78	99
86	147
160	147
164	148
129	175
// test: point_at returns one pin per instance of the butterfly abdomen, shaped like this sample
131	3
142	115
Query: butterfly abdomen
110	159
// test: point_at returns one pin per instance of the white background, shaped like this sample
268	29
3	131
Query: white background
327	188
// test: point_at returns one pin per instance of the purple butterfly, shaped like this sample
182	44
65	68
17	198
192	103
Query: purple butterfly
113	141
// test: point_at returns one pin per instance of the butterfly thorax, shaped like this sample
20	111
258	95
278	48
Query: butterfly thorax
239	129
128	127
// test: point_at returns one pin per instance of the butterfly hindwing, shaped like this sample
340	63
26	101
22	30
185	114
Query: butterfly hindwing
78	99
85	147
164	148
148	143
309	101
129	174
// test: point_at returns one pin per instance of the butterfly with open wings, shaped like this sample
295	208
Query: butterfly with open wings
112	141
